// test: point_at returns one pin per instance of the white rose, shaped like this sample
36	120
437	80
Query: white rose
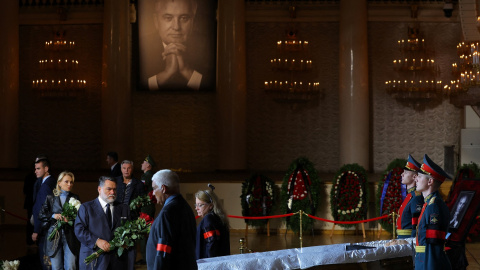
356	209
359	205
289	203
348	211
338	211
343	212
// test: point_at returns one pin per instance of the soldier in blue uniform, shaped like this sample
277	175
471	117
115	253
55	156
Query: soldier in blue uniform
412	205
434	219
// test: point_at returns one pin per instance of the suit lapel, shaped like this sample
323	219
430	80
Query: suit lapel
99	211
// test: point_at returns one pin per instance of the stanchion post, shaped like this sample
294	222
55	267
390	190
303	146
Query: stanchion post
301	228
242	247
393	224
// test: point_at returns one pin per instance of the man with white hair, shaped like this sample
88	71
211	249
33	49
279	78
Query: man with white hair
171	243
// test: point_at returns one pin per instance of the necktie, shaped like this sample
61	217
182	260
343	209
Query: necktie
108	212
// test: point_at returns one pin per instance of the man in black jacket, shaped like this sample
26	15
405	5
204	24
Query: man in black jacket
171	243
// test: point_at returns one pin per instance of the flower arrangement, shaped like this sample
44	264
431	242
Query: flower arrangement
348	196
69	213
125	236
300	191
9	265
142	201
257	199
392	197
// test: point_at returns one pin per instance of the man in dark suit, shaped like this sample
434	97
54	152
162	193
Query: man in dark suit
171	243
171	61
129	188
43	186
112	161
94	226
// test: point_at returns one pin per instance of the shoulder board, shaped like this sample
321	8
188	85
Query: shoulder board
432	201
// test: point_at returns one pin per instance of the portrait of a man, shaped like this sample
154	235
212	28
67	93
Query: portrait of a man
177	45
460	208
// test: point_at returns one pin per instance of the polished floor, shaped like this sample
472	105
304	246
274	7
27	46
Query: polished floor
13	246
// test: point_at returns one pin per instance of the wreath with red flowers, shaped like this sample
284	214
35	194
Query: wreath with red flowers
348	196
300	191
258	197
392	199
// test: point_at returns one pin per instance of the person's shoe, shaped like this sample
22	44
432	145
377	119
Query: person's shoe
141	262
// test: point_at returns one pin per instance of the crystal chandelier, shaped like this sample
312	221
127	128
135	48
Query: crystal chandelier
466	72
464	89
292	69
57	73
416	72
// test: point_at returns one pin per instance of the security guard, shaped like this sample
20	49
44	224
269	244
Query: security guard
411	207
434	219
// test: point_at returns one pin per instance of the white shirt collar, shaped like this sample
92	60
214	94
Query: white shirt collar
104	204
111	168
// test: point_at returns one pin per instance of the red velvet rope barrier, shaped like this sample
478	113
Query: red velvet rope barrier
314	217
12	214
348	222
264	217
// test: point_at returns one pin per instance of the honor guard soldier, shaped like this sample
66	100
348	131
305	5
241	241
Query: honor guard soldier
411	207
434	219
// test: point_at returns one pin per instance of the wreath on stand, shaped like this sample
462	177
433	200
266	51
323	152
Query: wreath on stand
300	191
390	192
348	196
258	196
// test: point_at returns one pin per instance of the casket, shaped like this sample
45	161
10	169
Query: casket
366	255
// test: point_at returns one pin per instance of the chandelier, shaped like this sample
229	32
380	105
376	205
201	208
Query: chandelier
57	73
416	72
464	89
466	72
292	68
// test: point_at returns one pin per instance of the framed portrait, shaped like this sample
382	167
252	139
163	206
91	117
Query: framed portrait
177	45
460	208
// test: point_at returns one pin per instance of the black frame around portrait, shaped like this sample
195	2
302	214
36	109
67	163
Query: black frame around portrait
462	194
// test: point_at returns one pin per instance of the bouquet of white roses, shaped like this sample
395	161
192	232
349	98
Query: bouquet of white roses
9	265
69	213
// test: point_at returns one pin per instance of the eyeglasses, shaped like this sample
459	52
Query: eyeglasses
200	205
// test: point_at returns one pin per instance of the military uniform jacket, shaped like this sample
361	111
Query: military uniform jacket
147	182
171	243
432	228
213	237
408	214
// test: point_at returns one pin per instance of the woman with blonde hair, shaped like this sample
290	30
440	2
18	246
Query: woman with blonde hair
63	249
213	236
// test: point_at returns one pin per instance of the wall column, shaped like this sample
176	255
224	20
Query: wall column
231	85
117	119
9	83
354	92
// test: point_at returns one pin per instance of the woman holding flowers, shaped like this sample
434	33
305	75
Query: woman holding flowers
58	215
213	236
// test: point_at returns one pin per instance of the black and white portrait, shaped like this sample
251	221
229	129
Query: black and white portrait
460	208
177	45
